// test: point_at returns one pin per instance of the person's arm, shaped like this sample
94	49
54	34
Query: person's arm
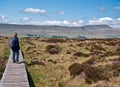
18	44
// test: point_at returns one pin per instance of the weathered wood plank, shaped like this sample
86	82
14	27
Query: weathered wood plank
15	75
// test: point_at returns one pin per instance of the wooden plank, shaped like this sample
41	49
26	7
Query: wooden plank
15	75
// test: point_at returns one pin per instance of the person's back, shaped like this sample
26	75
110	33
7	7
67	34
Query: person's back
14	45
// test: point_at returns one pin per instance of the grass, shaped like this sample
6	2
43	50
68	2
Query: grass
57	74
4	53
84	50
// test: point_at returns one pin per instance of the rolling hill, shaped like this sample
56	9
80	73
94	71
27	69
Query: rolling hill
88	31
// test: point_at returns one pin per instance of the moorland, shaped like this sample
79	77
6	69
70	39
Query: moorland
54	62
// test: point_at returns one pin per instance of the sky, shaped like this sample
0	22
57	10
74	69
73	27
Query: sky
61	12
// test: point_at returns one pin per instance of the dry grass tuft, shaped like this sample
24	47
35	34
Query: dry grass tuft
72	63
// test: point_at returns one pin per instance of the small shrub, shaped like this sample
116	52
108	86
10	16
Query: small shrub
53	40
53	49
97	48
52	61
91	61
29	42
94	74
107	54
115	61
118	51
116	68
75	69
80	54
111	43
95	53
68	52
81	44
37	62
60	84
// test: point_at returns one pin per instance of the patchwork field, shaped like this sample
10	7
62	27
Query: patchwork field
72	63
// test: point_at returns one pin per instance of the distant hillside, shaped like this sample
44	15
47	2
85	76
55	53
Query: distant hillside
88	31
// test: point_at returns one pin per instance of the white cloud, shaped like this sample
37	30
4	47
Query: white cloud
104	20
118	19
115	23
61	13
25	19
33	10
13	22
59	23
2	18
77	23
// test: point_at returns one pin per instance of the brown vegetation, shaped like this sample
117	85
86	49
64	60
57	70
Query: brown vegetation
53	49
72	63
4	53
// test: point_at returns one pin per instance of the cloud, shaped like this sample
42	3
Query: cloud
118	19
33	10
25	19
115	23
59	23
102	9
104	20
77	23
13	22
2	18
61	13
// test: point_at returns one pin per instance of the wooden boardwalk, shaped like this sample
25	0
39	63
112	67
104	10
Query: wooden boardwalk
15	75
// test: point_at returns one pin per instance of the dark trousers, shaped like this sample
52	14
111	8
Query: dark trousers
15	55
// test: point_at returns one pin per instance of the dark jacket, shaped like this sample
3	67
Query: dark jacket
14	44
